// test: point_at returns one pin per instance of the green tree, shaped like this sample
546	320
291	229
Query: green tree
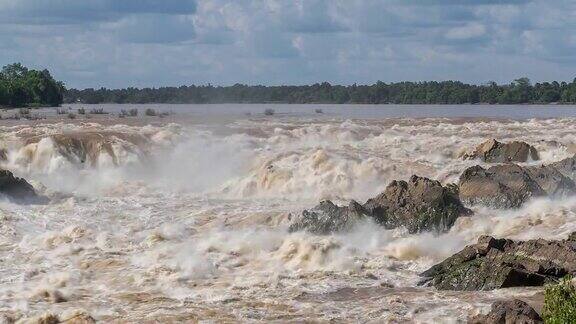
20	86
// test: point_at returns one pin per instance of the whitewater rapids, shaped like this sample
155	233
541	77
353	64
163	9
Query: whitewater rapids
187	222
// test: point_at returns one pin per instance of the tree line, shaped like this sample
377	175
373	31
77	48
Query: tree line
520	91
23	87
20	86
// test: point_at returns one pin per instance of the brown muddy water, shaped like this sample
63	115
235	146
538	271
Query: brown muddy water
180	219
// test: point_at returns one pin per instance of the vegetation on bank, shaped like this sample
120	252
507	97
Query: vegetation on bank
560	302
520	91
22	87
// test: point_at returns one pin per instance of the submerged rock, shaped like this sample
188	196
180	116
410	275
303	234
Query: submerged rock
510	185
500	263
327	217
70	317
492	151
87	147
509	311
17	189
419	205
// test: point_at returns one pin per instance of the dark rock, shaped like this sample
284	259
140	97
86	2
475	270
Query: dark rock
510	185
327	217
553	182
493	151
500	186
17	189
508	312
500	263
419	205
567	167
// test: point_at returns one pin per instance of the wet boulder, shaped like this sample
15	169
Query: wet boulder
510	185
567	167
419	204
508	311
492	151
553	182
500	186
327	217
500	263
17	189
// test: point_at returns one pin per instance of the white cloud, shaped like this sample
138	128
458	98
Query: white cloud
468	31
171	42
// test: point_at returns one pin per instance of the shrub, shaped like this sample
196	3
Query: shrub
133	112
61	111
269	112
150	112
319	111
97	111
24	112
71	116
560	302
81	111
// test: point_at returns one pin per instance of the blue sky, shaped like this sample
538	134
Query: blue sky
120	43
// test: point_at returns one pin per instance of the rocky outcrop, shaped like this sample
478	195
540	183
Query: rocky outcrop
500	263
86	147
567	167
17	189
327	217
500	186
493	151
510	185
510	311
419	204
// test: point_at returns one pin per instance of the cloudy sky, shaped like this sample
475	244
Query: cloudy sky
120	43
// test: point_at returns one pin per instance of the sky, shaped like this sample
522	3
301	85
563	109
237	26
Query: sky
151	43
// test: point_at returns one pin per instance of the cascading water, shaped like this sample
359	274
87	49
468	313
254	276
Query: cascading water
183	222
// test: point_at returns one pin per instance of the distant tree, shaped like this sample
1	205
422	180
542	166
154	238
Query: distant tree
4	93
20	86
433	92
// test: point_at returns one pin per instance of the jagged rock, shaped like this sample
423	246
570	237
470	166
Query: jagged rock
500	263
500	186
553	182
510	185
492	151
327	217
419	205
508	312
567	167
17	189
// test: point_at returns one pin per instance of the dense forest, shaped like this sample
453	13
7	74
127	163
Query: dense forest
21	87
446	92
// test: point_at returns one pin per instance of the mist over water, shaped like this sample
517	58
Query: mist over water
188	220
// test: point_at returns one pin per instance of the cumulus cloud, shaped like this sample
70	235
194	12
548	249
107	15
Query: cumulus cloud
118	43
468	31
